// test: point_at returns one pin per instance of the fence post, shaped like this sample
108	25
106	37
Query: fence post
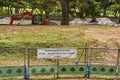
117	65
57	68
87	75
89	62
25	67
28	65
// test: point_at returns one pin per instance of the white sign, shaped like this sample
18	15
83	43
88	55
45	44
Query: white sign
57	53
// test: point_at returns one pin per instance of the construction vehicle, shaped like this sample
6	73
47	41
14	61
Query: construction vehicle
36	18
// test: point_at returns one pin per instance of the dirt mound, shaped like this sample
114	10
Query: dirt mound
105	21
23	21
5	20
87	21
78	21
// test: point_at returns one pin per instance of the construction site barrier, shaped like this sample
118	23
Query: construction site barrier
87	68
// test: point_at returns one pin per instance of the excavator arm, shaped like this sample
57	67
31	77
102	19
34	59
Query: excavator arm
36	19
19	16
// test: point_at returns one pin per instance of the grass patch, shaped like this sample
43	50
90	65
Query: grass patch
32	36
42	36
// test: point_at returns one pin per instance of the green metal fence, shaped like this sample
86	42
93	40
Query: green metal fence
13	71
31	66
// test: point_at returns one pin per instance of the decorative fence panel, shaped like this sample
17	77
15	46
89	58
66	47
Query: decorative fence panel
11	71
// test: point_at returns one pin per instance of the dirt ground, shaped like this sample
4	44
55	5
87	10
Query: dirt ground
107	36
104	34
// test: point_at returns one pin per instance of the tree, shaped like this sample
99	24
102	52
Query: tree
114	8
83	8
16	4
44	6
92	10
33	4
73	8
48	6
65	11
118	2
4	3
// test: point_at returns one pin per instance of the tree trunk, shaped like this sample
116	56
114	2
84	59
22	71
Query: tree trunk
93	14
65	12
32	9
81	13
119	20
119	15
115	13
17	10
10	10
46	15
105	12
94	19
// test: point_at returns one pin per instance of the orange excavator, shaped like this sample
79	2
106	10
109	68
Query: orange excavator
36	18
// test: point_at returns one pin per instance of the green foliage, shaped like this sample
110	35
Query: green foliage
48	6
117	1
3	11
85	7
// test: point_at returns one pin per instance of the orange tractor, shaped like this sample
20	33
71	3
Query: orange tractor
36	18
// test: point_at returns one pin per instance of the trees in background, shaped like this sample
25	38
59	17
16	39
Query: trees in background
67	8
4	7
48	6
13	6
